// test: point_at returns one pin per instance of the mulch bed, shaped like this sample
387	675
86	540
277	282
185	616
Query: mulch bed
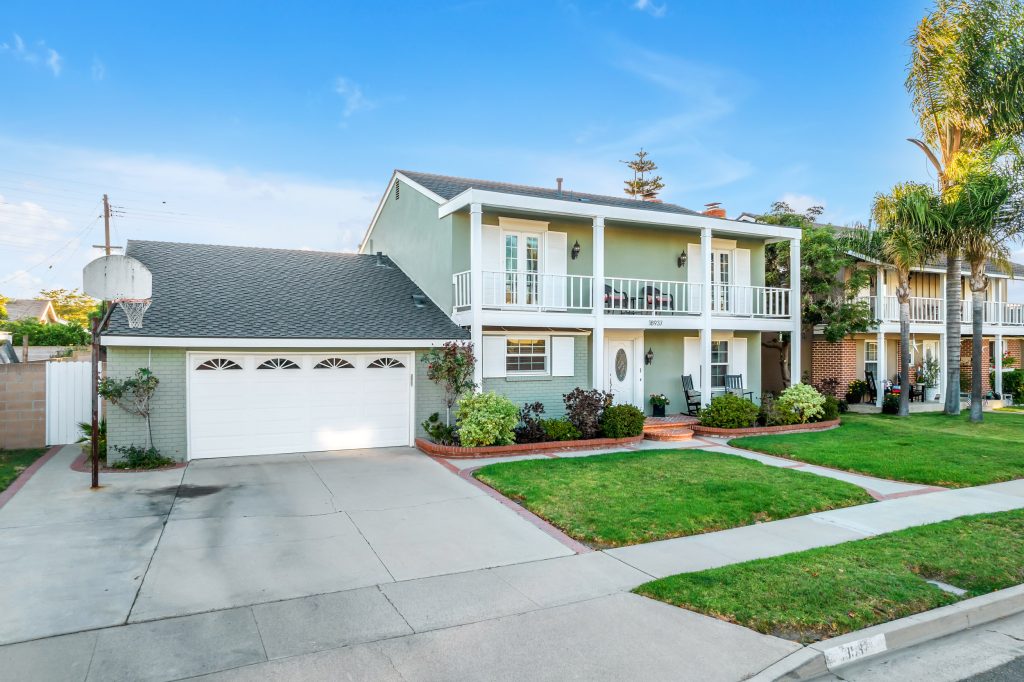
84	464
459	452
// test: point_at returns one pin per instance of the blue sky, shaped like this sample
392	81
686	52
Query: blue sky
279	124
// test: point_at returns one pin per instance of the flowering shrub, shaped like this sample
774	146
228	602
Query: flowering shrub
659	399
486	419
451	366
803	401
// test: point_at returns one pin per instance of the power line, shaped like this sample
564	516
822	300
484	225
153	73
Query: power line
54	254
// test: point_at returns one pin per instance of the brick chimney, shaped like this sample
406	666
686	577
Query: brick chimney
714	209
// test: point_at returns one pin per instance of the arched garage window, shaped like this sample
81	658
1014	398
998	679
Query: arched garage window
278	363
219	363
334	363
384	363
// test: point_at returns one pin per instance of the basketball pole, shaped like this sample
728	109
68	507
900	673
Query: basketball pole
98	325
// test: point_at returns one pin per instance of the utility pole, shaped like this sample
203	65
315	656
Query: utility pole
106	223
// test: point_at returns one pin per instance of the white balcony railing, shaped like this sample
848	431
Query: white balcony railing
745	301
517	290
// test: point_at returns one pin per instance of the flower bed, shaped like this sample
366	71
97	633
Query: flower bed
459	452
763	430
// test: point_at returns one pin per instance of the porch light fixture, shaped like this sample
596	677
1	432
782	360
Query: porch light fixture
681	261
576	250
649	358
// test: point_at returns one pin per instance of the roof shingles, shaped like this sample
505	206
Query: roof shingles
201	290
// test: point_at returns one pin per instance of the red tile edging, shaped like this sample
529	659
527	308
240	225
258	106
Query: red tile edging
458	452
763	430
18	483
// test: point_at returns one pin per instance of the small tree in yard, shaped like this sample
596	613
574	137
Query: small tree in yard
641	186
133	395
451	366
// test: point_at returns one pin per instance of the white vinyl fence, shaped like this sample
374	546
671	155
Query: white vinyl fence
68	400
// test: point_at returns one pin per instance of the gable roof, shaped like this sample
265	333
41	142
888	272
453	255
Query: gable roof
448	187
201	290
26	308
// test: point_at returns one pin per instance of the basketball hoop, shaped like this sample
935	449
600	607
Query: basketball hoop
134	309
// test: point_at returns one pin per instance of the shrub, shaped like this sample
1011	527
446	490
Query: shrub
771	415
622	421
803	401
451	366
439	432
530	429
133	395
85	428
729	412
39	334
830	410
1013	384
891	404
135	457
844	407
584	409
486	419
828	387
559	429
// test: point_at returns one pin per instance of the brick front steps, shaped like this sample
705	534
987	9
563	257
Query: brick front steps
459	452
669	429
764	430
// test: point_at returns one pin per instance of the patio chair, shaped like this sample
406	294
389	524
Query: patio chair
614	299
734	385
651	298
692	397
872	391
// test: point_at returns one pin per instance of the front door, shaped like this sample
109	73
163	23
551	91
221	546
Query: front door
618	358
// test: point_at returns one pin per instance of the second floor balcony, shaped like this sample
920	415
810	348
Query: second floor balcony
531	291
933	311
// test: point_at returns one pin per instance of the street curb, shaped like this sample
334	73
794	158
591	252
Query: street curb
832	655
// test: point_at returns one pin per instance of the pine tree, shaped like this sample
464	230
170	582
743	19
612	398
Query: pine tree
641	186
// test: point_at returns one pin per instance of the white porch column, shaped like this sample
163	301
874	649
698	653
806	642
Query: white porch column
795	313
880	337
881	371
705	317
942	361
597	302
476	283
997	364
879	292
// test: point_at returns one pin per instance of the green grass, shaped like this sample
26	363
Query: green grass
13	462
1012	408
829	591
632	497
930	448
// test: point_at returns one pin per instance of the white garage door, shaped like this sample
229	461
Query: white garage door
269	403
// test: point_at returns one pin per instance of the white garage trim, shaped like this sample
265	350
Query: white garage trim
306	360
223	342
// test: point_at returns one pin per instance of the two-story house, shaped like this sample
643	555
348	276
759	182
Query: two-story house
878	351
561	289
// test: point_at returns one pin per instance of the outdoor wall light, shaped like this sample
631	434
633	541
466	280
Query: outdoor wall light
681	261
576	250
649	358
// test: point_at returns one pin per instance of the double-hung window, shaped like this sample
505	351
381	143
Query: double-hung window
526	356
871	358
719	363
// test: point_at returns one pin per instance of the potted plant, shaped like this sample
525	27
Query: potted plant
928	374
855	391
658	403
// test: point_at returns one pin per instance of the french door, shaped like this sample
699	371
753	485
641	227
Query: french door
522	268
721	278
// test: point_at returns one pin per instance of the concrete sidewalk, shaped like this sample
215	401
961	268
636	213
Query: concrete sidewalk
710	550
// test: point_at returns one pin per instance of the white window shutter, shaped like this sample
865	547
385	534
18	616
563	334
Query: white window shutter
493	357
493	266
738	359
741	278
694	275
563	356
691	359
553	280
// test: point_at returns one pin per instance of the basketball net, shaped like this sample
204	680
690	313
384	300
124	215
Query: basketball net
134	309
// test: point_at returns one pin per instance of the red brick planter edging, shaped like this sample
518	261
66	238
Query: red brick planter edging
763	430
458	452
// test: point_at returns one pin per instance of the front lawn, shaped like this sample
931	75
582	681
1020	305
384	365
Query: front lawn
829	591
13	462
633	497
929	448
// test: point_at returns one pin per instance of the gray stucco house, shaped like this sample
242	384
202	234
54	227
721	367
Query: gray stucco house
262	351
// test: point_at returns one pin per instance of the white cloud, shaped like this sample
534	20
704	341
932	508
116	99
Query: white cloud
353	95
23	53
53	61
98	70
651	7
164	199
801	202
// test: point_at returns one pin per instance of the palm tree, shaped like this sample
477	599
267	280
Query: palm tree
986	203
906	215
965	76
